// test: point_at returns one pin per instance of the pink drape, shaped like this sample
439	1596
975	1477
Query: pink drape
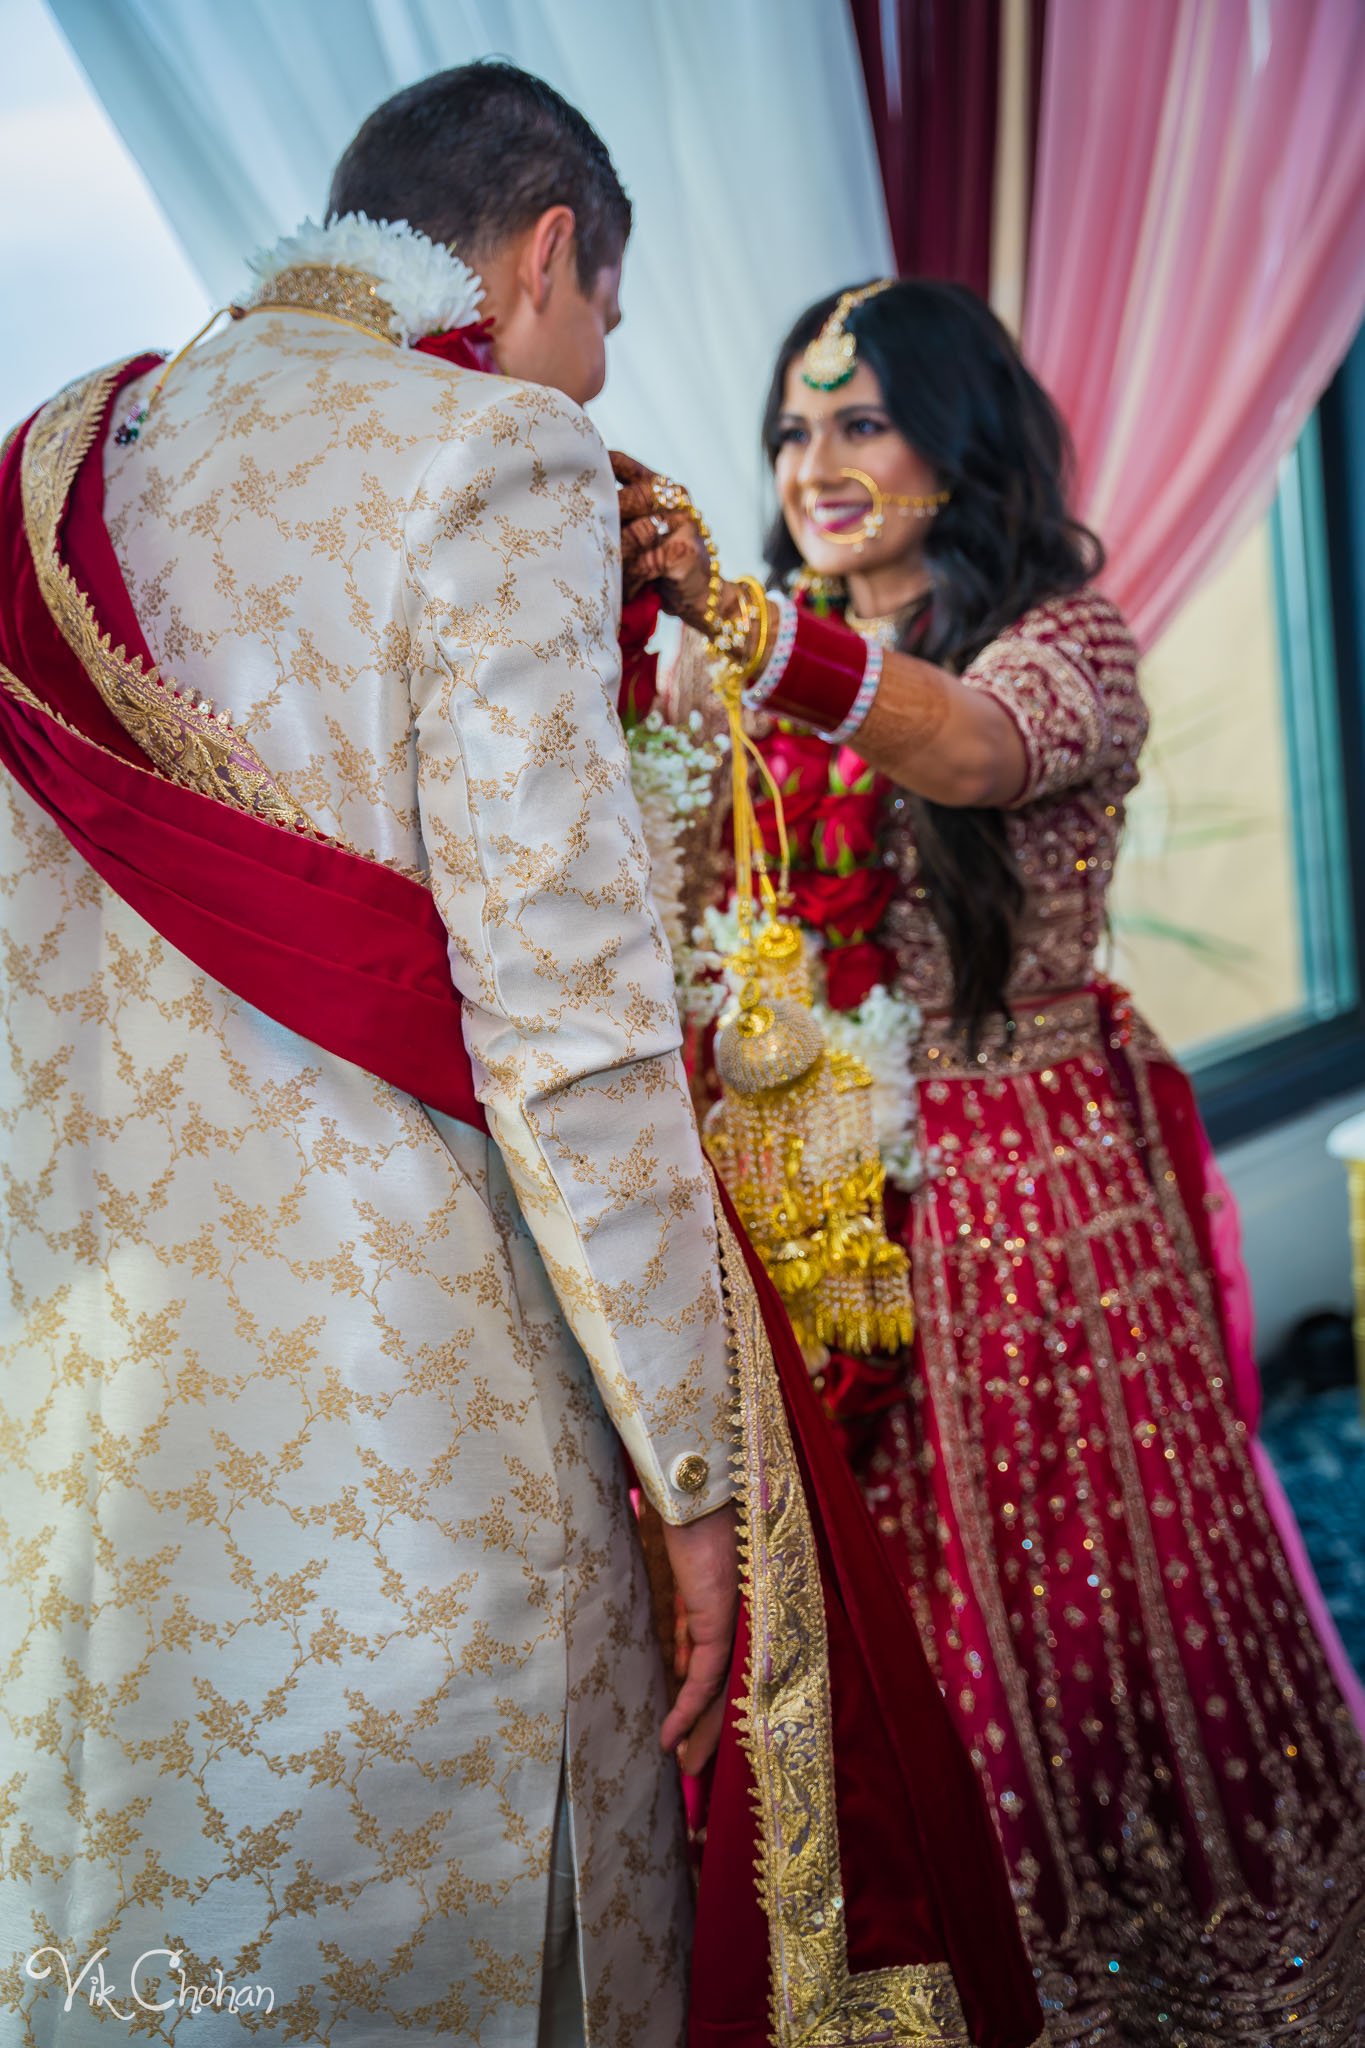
1197	265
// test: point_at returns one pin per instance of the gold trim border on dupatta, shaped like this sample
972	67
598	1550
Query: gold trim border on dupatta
786	1727
179	732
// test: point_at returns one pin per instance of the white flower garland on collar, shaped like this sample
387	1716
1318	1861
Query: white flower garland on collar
428	287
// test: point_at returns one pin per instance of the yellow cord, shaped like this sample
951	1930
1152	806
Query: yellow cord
312	313
240	313
181	353
753	883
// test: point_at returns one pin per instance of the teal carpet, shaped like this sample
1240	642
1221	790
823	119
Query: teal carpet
1318	1444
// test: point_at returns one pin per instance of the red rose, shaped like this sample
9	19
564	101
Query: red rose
639	669
798	762
469	348
845	907
800	808
639	689
852	972
849	772
845	832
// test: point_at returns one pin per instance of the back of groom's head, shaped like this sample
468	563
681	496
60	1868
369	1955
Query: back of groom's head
473	156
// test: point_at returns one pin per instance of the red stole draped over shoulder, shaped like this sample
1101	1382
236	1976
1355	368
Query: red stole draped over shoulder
880	1911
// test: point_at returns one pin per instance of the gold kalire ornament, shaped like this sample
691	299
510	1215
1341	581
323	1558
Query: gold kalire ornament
792	1135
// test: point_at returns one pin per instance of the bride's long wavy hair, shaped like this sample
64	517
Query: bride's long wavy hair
956	388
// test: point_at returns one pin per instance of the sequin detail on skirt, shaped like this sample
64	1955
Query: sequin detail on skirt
1068	1494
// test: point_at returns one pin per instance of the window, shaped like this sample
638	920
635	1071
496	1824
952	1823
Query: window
1237	905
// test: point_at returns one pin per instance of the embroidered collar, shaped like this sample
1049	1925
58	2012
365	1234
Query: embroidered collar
379	274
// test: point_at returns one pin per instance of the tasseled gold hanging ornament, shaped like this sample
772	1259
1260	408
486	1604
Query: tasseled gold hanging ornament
792	1135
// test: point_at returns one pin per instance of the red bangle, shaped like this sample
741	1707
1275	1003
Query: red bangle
822	678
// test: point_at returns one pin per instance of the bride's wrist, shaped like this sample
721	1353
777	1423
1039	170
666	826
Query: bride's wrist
744	628
821	673
731	605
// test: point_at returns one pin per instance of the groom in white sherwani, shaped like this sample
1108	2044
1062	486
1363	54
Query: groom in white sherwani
326	1666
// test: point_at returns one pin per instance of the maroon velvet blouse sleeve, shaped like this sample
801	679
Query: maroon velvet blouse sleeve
1067	676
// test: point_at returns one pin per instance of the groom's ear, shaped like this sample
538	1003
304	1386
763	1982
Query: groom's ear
547	252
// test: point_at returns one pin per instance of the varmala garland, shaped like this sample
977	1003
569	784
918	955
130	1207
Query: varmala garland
792	1135
672	773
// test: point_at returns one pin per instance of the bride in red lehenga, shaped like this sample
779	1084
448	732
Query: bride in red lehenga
1062	1468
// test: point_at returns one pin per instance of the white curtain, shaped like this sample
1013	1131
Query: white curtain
740	128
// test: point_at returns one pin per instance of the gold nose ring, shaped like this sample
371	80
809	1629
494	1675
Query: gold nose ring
921	507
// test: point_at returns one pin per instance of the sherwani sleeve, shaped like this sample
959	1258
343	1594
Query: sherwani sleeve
540	870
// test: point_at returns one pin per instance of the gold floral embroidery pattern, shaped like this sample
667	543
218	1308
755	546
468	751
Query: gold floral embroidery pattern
787	1731
182	734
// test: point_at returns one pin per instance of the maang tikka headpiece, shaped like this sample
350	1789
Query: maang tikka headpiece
832	357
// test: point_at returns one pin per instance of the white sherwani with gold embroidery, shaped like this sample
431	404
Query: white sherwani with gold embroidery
316	1542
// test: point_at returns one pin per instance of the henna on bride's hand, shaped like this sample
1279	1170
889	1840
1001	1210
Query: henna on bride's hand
661	543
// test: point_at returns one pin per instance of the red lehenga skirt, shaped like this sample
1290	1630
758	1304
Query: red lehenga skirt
1065	1484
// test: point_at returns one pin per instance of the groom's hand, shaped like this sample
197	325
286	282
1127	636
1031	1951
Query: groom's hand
704	1558
661	543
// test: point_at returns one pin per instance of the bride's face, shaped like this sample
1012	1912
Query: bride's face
820	434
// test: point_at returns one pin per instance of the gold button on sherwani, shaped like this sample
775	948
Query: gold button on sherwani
691	1473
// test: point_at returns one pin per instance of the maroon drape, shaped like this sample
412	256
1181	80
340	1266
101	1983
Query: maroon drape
923	1877
932	69
934	109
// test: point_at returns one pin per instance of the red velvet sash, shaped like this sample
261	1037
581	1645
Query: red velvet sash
352	956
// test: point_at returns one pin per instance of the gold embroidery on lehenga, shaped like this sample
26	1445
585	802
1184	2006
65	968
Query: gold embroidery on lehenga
180	733
1131	1948
787	1731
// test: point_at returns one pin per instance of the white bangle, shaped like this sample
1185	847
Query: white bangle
862	703
758	692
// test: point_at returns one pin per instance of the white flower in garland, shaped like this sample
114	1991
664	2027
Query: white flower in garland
880	1033
672	774
428	287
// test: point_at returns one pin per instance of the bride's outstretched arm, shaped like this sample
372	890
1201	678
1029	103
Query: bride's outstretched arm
930	731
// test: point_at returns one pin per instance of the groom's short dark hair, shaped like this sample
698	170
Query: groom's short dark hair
473	155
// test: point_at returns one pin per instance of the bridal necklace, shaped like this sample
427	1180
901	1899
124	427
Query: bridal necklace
381	278
885	629
878	632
